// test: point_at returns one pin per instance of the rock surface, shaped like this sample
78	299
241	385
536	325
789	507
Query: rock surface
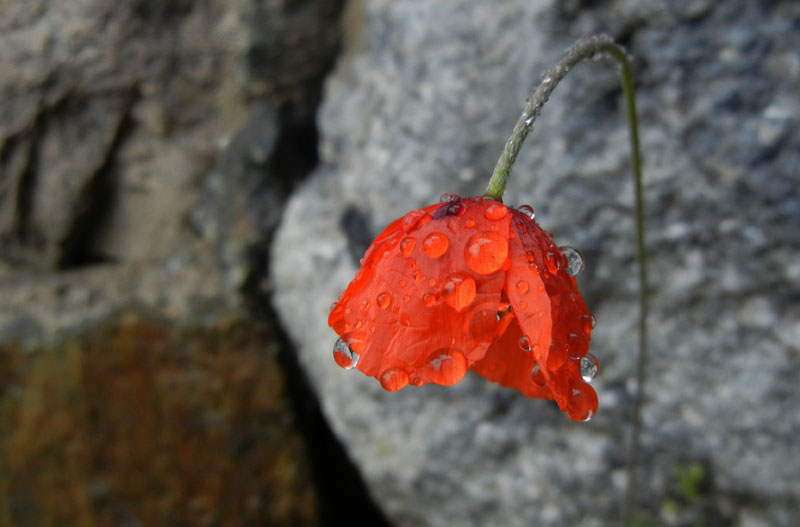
422	100
139	148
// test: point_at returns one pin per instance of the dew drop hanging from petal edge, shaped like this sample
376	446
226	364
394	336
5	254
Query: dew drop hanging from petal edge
575	260
344	356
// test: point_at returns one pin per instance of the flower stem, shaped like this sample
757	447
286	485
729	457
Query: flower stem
581	50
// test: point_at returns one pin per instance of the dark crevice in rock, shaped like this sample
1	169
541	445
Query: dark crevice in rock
343	497
24	197
342	493
295	154
355	225
96	204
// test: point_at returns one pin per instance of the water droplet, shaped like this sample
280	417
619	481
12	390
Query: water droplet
495	211
333	306
503	310
407	246
575	260
435	244
384	300
432	282
528	211
524	344
459	290
363	307
417	381
406	298
449	197
344	356
529	120
447	366
469	223
428	300
523	304
583	401
589	367
411	219
415	275
392	380
522	286
551	259
486	252
537	376
402	283
589	323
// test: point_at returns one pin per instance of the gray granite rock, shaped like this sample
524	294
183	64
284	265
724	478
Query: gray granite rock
422	100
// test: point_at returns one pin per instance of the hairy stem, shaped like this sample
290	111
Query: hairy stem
599	45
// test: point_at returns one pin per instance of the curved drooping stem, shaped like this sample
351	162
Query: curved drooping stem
599	45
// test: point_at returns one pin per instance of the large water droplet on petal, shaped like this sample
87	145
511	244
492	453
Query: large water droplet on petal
524	344
448	197
384	300
537	376
447	366
411	219
428	300
553	262
583	401
344	356
528	211
495	211
575	260
589	367
458	290
394	379
522	286
435	244
407	246
486	252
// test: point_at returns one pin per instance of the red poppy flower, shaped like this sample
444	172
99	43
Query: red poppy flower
469	284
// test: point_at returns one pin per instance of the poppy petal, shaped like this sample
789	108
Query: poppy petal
551	313
418	311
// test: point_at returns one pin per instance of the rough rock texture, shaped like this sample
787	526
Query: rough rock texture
139	149
198	414
420	104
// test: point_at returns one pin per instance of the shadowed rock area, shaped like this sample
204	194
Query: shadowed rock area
421	102
146	151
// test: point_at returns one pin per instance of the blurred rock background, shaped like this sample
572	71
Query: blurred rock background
186	185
